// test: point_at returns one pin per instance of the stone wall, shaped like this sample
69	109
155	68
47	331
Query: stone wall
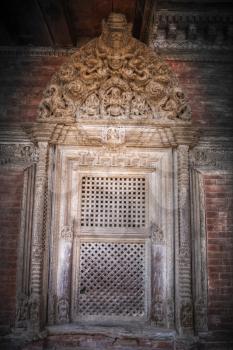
208	86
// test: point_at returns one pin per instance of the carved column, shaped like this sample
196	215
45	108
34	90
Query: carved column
24	250
37	239
185	308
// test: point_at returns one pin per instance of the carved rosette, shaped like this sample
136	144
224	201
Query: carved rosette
114	77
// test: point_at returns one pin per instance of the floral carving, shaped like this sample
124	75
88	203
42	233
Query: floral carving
114	77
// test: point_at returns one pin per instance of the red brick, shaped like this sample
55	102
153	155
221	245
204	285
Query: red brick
10	203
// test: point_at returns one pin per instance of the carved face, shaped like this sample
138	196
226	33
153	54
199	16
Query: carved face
117	39
115	62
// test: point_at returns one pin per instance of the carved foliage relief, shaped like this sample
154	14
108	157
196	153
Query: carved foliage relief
114	77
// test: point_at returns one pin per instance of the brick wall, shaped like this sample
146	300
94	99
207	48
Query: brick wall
219	219
22	82
10	206
208	87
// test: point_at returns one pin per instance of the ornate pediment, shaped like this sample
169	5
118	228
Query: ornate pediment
114	77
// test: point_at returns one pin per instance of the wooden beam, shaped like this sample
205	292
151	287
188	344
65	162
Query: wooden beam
25	24
56	21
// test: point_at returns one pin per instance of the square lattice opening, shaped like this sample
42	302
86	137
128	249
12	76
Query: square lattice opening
113	202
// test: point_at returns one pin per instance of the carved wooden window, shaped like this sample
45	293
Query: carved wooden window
112	272
112	279
116	201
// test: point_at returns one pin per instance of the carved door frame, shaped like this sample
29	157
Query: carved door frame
151	161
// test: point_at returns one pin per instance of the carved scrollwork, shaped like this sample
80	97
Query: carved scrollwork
114	77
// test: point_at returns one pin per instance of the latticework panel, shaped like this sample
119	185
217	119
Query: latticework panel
112	279
113	202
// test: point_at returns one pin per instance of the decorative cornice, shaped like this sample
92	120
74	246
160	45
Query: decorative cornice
191	31
184	55
35	51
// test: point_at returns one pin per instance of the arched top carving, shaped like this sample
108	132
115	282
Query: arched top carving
114	77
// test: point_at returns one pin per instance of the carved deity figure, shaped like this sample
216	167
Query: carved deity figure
116	31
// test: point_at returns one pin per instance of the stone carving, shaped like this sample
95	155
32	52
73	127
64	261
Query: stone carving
182	31
18	154
170	313
67	233
186	315
37	252
185	274
201	320
157	235
213	158
113	159
159	312
114	77
37	234
34	309
22	312
63	310
113	137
